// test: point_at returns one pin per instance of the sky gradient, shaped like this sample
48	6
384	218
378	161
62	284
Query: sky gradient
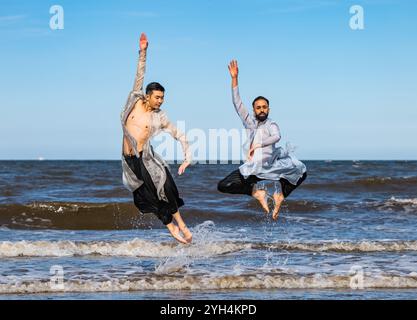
336	93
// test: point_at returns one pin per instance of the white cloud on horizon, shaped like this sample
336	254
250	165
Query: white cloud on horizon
142	14
12	18
301	5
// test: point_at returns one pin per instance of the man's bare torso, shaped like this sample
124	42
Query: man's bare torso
138	124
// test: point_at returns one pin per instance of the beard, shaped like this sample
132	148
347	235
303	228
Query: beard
262	116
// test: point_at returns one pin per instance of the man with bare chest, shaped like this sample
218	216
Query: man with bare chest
145	173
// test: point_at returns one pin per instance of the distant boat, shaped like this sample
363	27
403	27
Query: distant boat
41	158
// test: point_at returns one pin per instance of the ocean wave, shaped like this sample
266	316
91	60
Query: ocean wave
365	184
341	246
75	216
143	248
101	216
124	215
394	205
212	282
132	248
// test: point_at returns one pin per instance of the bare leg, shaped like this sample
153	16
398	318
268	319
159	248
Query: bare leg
278	198
188	236
175	232
260	195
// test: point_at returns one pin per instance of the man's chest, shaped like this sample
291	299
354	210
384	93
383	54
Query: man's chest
140	121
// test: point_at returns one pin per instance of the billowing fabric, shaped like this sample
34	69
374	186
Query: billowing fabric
153	163
270	162
145	197
235	183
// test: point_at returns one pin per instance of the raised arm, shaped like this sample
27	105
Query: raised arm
136	93
241	110
140	72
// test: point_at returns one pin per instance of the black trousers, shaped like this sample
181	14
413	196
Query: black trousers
235	183
146	198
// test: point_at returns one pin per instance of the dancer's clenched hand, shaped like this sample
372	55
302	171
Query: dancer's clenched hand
143	42
182	167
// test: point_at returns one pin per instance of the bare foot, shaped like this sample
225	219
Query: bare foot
188	236
175	232
260	195
278	198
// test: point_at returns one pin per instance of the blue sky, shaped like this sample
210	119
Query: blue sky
336	93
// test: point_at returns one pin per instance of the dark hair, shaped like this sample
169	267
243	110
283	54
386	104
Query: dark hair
154	86
259	98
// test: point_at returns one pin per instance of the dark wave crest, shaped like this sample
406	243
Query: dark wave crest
100	216
124	215
370	184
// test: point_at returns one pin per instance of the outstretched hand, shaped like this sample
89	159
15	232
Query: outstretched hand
233	68
251	151
182	167
143	42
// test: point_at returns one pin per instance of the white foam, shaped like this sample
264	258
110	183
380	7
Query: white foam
134	248
408	205
246	281
173	265
412	201
145	248
56	208
346	246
